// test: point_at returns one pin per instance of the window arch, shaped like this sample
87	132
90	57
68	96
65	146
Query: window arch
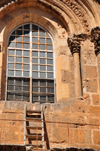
30	69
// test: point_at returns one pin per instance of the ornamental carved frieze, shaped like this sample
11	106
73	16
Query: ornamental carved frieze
95	37
79	12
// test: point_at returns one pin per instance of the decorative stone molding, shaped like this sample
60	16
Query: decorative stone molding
74	44
79	12
57	6
95	37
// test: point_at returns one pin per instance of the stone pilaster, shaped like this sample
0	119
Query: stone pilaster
74	45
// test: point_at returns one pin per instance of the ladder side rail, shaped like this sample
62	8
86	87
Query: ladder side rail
25	124
42	127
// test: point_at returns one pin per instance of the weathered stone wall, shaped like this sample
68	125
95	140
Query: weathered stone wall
73	121
72	124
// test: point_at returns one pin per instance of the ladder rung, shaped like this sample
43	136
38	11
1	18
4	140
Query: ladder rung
33	111
33	127
34	136
34	116
34	145
34	119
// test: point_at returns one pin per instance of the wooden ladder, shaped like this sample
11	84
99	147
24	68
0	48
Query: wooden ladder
33	128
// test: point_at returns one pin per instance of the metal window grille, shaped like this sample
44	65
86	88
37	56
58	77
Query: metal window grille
30	69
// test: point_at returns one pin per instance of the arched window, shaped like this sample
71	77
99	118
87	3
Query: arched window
30	70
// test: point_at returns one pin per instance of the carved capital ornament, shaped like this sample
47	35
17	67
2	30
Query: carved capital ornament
95	37
74	44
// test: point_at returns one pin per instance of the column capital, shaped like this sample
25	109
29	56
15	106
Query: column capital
95	37
74	44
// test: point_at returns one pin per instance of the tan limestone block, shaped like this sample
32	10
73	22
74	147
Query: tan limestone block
91	71
63	91
94	110
96	137
88	137
76	136
12	24
99	70
79	106
64	62
26	17
87	99
93	120
92	85
62	88
98	58
67	77
96	99
0	59
30	4
59	134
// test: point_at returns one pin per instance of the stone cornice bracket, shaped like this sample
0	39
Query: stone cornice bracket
74	44
95	37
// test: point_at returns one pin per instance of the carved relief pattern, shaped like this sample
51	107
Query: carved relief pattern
80	13
95	37
72	4
74	44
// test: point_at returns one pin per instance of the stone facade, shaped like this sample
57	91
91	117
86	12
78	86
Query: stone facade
73	121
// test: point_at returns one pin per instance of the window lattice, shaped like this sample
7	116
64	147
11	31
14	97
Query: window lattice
30	74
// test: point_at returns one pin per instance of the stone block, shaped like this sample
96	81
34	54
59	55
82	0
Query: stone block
67	76
96	99
96	137
87	99
59	134
79	107
99	70
94	110
91	71
92	120
88	137
76	136
91	85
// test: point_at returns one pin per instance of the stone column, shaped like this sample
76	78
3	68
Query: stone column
74	45
95	37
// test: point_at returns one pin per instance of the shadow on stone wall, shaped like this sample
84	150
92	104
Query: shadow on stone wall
98	1
23	148
12	148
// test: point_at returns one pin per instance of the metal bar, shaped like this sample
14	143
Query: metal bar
6	76
81	124
31	62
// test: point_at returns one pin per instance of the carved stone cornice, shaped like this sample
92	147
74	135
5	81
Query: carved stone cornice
95	37
74	44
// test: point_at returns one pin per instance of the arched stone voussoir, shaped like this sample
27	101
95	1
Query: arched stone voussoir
75	15
25	18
